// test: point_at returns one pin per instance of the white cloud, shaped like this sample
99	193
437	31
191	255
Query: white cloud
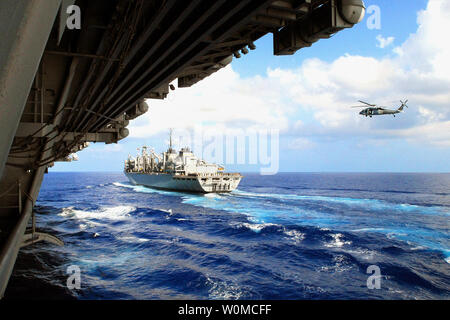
437	132
384	42
223	100
323	91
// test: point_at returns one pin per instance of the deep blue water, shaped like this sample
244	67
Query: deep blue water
289	236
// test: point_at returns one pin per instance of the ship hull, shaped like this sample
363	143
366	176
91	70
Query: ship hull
167	181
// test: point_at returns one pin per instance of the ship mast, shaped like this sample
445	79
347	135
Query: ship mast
170	140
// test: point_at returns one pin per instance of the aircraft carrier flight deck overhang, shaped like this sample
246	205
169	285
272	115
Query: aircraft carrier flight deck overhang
61	87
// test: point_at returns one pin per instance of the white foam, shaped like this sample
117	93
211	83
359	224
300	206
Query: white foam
132	239
257	227
340	265
134	187
223	291
111	213
212	195
83	226
295	235
118	184
143	189
338	242
369	229
363	253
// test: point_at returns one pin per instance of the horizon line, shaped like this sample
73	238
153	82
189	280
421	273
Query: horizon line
439	172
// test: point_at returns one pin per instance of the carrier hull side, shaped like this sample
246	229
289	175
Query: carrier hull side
164	181
167	181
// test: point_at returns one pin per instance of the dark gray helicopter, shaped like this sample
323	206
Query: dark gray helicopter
374	110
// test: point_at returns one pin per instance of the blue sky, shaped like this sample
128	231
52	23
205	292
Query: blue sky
306	97
398	19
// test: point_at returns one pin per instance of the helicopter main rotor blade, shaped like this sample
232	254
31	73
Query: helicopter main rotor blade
372	105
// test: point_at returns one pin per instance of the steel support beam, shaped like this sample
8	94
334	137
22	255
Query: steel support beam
26	26
222	27
11	248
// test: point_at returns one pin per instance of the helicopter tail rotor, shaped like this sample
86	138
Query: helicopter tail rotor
404	104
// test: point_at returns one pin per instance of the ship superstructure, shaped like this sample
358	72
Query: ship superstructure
181	171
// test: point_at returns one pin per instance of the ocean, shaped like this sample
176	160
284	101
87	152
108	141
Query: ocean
287	236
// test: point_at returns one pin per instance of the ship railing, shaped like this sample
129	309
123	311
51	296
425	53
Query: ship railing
216	175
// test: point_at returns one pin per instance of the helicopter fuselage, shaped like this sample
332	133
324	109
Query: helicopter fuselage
369	112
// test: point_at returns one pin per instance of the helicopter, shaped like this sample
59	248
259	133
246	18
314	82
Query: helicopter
374	110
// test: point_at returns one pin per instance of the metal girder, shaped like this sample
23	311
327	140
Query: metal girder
10	250
138	67
26	129
82	55
107	137
22	46
221	28
32	238
14	242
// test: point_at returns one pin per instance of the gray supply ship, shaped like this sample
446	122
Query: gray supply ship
181	171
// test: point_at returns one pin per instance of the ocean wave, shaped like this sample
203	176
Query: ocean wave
372	204
291	234
362	253
340	264
143	189
255	227
155	244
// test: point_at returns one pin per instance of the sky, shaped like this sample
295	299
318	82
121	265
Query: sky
398	52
